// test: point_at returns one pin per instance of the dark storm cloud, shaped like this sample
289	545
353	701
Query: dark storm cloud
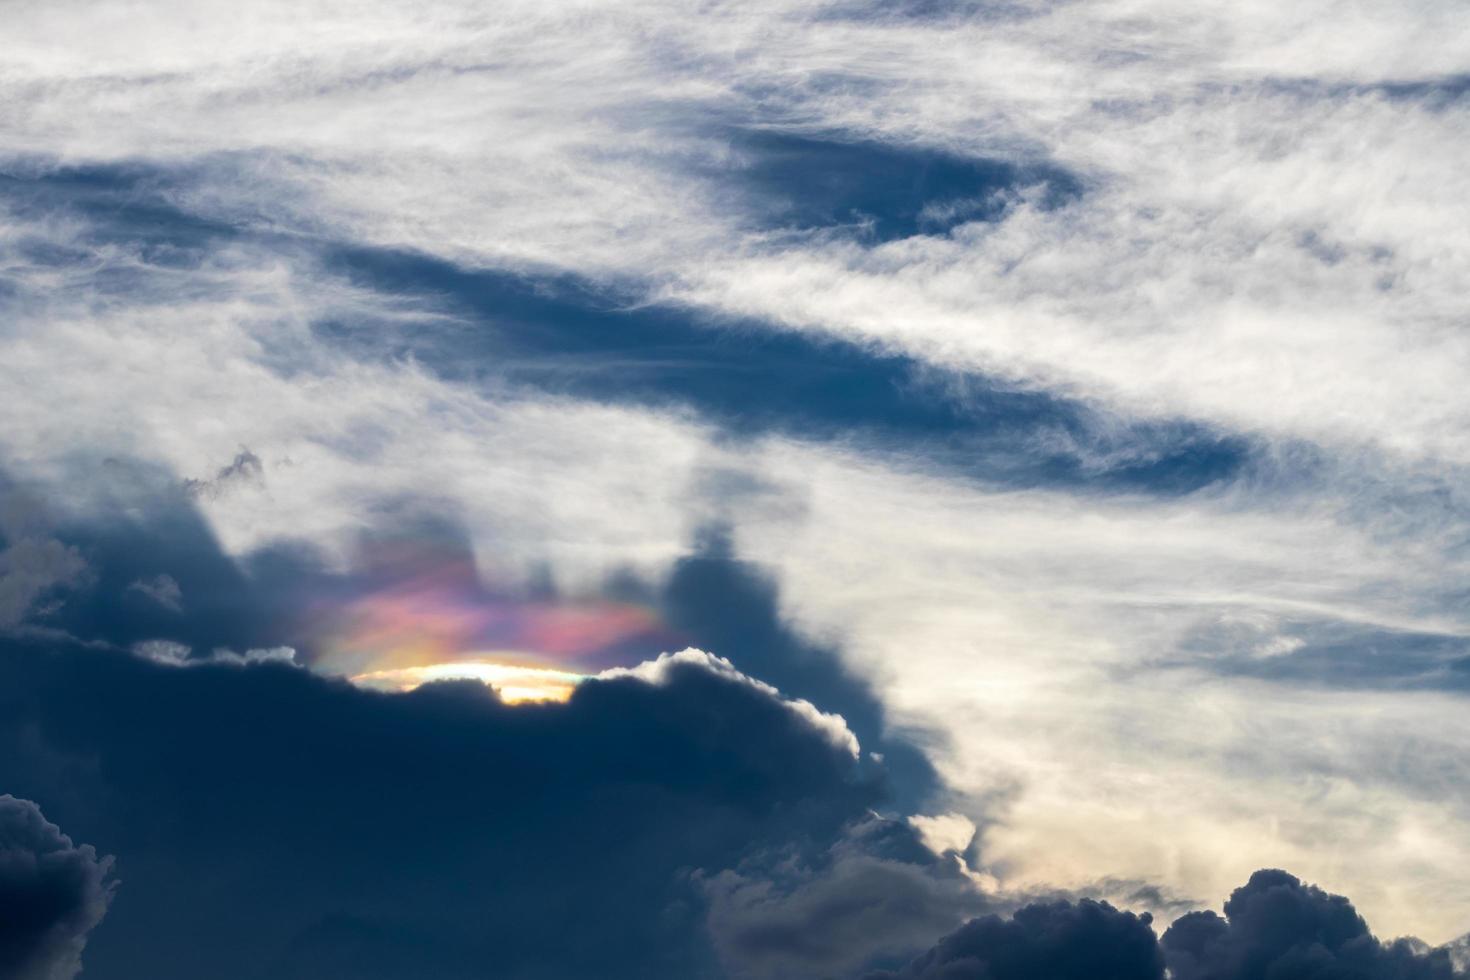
722	603
156	572
150	568
52	893
1059	940
1277	928
877	894
272	823
1274	928
806	892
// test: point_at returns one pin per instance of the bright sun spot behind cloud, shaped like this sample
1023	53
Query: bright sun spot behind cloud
514	683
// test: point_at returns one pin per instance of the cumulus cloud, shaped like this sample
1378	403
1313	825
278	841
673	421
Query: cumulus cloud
666	665
303	799
1276	926
52	894
1085	940
875	894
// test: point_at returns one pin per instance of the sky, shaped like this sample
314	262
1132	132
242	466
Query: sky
822	490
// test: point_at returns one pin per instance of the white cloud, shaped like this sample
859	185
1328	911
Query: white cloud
1024	633
832	726
1270	240
171	653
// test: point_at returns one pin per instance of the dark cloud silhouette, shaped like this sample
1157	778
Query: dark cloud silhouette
720	602
1059	940
875	896
52	892
1277	928
155	572
1274	928
273	823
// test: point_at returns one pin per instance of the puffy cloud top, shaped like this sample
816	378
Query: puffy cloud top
436	834
1275	927
1053	940
52	892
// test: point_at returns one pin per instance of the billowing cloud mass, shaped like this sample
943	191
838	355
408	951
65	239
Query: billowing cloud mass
352	833
1041	425
1276	926
1065	941
52	894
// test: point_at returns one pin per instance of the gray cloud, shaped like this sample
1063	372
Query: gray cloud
162	589
52	893
1060	940
1275	926
875	894
33	565
246	469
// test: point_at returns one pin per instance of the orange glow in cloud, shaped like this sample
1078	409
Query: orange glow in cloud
514	684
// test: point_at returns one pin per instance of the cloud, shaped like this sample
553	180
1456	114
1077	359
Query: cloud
29	569
669	665
983	618
340	826
52	894
1276	926
1027	459
873	895
33	564
171	654
1061	940
163	590
246	469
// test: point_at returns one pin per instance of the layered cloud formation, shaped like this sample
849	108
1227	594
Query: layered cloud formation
1066	402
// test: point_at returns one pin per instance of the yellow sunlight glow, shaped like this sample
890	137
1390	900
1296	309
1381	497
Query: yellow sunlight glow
513	683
